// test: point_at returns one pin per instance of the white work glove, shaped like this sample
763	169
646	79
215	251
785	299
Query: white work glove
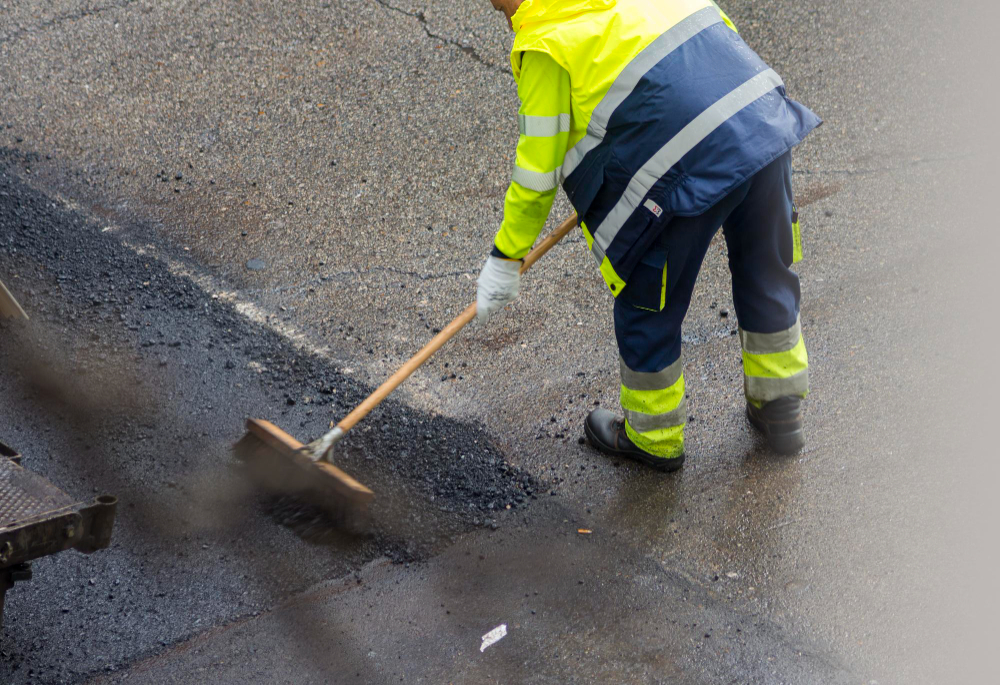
499	282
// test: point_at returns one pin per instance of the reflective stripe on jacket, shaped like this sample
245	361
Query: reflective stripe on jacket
640	108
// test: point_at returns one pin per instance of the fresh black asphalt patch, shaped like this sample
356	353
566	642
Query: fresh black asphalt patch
133	381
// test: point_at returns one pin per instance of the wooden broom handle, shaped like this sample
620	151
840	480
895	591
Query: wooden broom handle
9	308
446	334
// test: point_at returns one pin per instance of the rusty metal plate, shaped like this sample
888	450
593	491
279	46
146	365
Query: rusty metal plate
25	495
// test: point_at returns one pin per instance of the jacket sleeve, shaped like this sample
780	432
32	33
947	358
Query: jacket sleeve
544	122
725	17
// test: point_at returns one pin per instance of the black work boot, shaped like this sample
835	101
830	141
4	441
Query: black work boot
780	421
607	433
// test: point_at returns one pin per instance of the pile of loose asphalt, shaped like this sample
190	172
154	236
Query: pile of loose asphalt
131	380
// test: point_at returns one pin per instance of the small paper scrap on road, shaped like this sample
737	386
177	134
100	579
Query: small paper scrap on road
494	636
584	531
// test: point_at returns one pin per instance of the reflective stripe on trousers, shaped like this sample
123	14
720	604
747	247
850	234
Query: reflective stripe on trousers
655	409
775	364
757	225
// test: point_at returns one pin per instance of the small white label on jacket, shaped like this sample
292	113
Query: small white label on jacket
656	209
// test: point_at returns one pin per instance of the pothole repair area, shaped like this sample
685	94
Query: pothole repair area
147	359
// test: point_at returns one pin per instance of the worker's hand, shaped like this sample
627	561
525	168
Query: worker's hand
499	283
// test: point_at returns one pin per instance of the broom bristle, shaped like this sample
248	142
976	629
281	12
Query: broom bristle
274	461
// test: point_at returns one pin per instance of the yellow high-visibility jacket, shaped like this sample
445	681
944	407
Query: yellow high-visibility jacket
608	89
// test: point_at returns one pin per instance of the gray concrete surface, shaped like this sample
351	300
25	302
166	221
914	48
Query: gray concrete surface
360	150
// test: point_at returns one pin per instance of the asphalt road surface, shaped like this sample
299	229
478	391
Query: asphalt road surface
216	210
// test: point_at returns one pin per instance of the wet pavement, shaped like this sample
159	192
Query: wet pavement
217	210
130	381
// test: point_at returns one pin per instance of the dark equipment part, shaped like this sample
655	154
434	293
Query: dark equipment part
38	519
9	308
9	576
275	457
9	453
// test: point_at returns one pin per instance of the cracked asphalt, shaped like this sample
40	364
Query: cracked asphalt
320	182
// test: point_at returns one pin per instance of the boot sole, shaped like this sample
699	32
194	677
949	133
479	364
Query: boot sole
661	464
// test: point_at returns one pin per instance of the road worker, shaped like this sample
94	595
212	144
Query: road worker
662	126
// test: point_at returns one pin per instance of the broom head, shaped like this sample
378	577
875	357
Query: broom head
275	461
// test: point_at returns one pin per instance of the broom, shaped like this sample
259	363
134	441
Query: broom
279	461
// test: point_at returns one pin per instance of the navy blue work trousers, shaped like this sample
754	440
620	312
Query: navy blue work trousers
756	220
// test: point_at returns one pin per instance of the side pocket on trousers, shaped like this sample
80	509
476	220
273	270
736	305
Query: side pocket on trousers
647	287
796	237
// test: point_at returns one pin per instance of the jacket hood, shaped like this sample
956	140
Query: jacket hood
532	11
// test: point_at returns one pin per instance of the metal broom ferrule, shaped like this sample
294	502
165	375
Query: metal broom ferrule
321	449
